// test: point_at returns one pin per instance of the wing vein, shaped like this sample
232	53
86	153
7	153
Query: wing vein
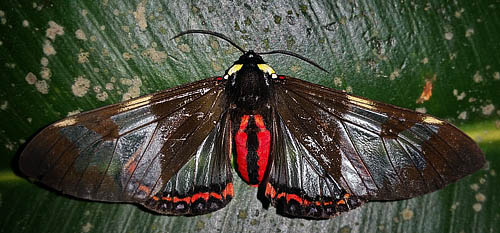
312	137
349	137
182	145
98	187
153	136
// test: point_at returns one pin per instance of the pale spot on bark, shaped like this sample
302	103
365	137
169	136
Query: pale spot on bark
42	86
477	77
448	35
81	86
80	34
155	55
488	109
83	57
407	214
394	74
140	16
462	115
30	78
54	30
48	49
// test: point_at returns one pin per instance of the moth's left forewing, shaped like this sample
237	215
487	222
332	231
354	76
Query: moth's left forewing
126	152
375	150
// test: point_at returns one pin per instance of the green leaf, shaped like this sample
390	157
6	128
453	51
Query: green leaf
60	57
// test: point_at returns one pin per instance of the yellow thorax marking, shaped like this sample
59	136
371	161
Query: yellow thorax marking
234	69
266	68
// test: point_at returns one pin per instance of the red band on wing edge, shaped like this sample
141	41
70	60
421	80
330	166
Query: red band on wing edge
228	191
272	194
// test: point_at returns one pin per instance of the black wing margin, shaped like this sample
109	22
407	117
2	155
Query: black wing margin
354	150
132	151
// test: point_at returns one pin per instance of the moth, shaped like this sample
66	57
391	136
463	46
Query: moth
312	152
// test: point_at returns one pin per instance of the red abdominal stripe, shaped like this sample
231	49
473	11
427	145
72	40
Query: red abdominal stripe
252	143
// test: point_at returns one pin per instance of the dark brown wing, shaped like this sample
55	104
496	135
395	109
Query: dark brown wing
298	185
204	183
129	152
370	150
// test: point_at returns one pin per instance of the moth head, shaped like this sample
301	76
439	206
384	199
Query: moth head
251	60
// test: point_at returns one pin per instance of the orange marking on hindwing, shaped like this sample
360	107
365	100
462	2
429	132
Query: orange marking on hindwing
197	196
228	191
270	190
186	199
144	188
216	195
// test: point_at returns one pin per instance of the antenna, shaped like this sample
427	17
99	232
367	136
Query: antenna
221	36
294	55
216	34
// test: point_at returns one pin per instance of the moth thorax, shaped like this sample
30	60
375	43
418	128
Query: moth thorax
250	88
